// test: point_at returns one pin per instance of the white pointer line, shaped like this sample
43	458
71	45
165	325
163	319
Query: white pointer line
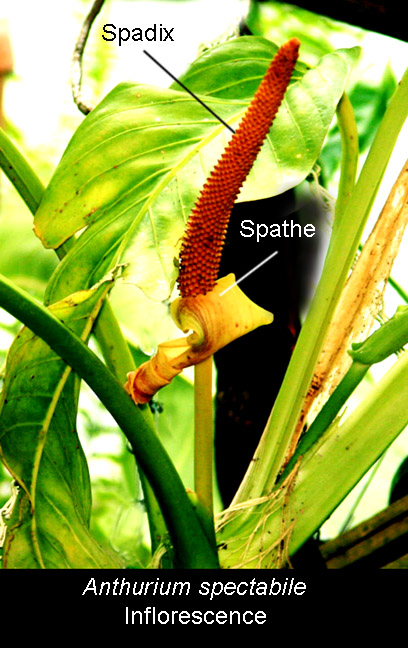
249	273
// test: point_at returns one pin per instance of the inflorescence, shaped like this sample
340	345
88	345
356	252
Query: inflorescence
206	230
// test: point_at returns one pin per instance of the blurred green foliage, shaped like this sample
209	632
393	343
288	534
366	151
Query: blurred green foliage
319	35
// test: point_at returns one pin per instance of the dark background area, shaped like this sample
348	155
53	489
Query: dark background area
384	18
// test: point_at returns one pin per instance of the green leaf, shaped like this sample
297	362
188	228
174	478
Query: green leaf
49	523
135	166
216	73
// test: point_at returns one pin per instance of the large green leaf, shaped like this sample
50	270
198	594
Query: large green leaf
135	166
217	74
48	525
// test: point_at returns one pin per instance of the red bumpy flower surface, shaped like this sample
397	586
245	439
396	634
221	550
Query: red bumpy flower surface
203	241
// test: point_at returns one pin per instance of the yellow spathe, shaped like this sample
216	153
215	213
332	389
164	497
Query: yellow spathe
214	319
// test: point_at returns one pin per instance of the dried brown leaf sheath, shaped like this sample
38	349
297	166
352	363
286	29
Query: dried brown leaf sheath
361	299
207	226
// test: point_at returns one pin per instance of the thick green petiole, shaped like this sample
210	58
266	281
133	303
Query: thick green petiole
203	444
350	152
190	542
119	360
107	330
20	173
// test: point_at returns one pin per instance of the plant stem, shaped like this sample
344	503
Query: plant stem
343	455
390	338
350	153
262	474
203	443
190	542
328	472
342	249
360	496
19	172
112	344
398	289
119	360
328	412
76	82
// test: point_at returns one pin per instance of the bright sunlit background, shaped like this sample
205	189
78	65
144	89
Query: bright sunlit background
41	117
